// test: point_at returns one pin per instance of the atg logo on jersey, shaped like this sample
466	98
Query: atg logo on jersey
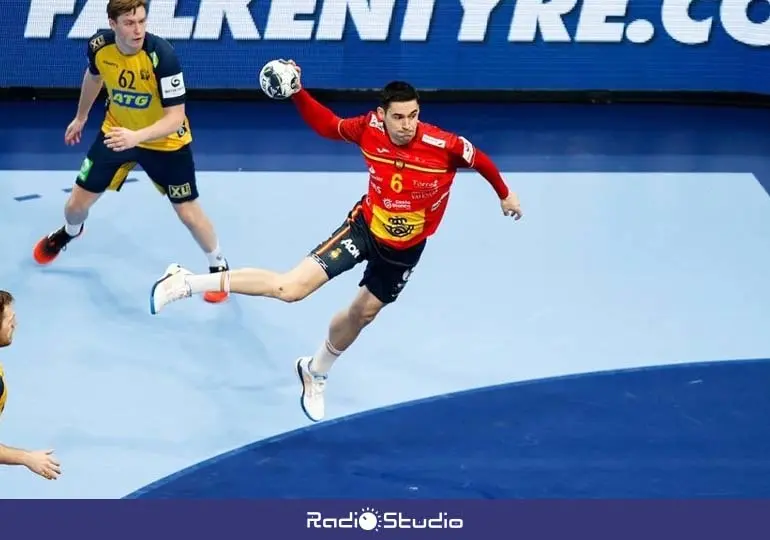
131	100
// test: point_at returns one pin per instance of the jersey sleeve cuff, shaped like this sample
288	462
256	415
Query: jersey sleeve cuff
171	102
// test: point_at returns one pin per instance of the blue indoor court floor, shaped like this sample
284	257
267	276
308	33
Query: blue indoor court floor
615	342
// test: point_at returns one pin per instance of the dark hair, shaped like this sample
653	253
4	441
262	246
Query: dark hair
116	8
6	299
397	92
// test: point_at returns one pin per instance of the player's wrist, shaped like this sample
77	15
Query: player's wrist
26	458
141	135
15	456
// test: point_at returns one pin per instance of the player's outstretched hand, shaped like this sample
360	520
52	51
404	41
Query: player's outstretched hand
299	73
511	206
43	462
74	131
120	139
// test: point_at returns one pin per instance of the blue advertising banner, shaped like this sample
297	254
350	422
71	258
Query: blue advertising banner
697	45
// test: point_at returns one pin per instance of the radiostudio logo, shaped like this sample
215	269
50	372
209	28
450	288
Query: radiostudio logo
371	519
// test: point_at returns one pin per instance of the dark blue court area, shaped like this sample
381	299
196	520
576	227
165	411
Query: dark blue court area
690	431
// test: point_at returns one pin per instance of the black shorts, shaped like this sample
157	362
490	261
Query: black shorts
387	270
173	173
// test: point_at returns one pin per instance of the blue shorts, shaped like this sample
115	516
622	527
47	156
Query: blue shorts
172	172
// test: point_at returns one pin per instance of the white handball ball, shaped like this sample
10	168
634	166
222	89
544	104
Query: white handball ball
279	79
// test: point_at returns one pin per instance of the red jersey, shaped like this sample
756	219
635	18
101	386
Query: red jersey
408	185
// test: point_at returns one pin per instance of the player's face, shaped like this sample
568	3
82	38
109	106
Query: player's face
401	120
130	29
7	326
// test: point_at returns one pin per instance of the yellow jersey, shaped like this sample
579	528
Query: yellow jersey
3	392
140	85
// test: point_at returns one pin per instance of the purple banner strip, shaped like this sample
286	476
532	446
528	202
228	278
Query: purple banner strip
455	519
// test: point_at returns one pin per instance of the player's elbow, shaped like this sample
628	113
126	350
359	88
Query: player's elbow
93	77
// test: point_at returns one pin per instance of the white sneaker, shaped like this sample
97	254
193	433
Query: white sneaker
313	386
172	286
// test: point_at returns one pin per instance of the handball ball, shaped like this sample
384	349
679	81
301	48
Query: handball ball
279	79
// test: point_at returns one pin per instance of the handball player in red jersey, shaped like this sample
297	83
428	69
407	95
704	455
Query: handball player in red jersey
411	168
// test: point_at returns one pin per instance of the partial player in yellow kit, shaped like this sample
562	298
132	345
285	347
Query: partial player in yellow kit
40	462
145	124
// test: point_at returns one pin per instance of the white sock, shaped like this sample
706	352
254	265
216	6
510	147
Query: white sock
72	230
202	283
324	358
216	259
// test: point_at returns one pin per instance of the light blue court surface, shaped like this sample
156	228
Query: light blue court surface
505	370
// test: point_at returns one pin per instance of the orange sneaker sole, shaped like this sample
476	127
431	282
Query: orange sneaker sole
213	297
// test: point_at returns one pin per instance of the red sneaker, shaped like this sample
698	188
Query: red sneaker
49	247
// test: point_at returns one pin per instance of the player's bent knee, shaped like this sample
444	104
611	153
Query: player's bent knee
363	317
293	291
365	308
294	287
302	281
